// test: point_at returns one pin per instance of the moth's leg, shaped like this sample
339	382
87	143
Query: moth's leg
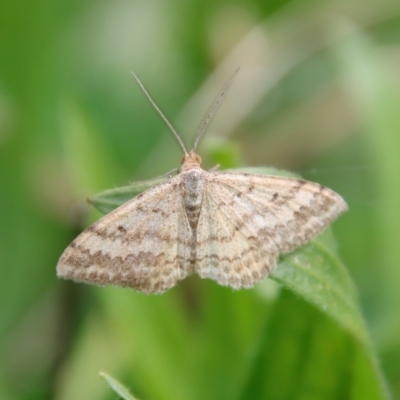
169	173
166	175
214	168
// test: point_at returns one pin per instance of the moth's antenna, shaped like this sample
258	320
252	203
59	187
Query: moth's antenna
171	128
212	110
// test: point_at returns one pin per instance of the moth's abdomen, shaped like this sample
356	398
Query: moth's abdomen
193	185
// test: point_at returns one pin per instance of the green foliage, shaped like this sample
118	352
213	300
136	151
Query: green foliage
122	391
317	92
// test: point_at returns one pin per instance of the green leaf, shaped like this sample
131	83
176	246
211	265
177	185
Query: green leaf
305	355
316	274
118	388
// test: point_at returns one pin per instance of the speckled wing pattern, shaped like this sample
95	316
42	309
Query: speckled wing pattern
229	227
248	220
144	244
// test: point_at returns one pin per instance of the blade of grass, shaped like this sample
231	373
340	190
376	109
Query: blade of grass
118	388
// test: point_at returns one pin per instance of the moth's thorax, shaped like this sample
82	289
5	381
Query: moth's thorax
190	161
192	186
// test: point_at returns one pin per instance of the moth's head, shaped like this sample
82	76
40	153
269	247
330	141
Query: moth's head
190	161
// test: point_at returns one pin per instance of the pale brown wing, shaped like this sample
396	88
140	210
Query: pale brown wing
225	252
144	244
247	220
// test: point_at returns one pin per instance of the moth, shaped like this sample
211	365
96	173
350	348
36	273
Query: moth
226	226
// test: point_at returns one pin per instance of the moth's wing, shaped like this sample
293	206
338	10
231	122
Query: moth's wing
247	220
144	244
228	249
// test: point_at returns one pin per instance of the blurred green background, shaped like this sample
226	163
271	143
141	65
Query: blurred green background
318	93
